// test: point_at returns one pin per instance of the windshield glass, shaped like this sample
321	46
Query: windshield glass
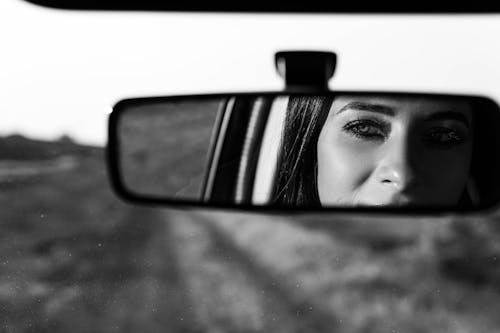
75	257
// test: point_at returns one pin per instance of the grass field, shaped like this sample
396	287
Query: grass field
75	258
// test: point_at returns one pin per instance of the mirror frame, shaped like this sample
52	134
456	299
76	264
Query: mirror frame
117	183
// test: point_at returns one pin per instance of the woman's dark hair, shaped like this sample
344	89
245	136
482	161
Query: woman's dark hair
296	179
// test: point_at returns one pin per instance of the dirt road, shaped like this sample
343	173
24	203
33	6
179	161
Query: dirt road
75	258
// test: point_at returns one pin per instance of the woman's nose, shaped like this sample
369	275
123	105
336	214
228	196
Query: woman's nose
396	166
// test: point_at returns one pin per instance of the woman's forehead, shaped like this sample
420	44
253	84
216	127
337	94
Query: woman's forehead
394	105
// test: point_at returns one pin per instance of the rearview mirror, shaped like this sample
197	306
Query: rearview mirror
309	151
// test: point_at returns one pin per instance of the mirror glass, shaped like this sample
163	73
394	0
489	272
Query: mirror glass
164	147
311	151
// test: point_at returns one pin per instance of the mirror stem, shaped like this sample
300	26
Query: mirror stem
306	70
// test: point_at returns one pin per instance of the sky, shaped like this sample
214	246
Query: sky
62	71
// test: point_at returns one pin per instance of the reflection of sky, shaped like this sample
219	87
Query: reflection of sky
61	71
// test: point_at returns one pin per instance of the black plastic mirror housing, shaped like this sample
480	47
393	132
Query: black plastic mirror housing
208	150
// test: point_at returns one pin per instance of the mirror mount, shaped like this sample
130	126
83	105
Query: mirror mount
306	70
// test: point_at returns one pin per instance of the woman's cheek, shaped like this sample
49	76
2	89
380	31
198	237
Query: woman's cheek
344	163
359	157
448	163
446	172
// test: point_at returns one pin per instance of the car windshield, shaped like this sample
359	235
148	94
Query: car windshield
76	258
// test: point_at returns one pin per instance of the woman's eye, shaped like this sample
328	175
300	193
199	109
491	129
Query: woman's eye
366	129
442	136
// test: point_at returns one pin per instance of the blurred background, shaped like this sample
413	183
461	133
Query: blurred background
75	257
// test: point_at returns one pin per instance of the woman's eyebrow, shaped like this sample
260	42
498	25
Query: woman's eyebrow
369	107
447	115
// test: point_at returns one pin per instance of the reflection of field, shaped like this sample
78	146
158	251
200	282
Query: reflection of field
74	258
164	147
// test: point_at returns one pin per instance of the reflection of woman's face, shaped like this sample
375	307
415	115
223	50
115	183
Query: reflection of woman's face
394	151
